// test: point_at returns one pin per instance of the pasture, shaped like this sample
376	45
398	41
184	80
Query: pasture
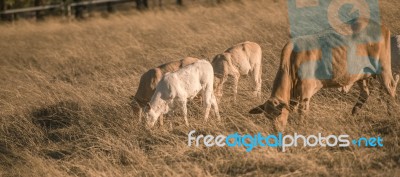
65	90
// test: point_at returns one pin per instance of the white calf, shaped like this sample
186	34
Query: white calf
180	86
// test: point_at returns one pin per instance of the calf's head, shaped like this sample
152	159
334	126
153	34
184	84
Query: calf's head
221	69
153	112
135	105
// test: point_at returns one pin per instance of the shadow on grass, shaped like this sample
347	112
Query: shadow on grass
60	115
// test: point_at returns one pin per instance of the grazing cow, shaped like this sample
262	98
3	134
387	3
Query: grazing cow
149	81
290	89
241	59
180	86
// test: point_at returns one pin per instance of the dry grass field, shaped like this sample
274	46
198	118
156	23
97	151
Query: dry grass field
65	89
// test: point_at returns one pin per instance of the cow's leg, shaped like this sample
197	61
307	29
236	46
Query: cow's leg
215	106
386	76
346	88
389	82
308	89
207	97
362	98
281	121
236	77
390	102
161	120
140	114
219	85
295	98
184	110
136	109
257	81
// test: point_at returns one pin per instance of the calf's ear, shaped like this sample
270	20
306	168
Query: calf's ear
257	110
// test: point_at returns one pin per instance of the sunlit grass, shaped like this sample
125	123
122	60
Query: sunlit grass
65	88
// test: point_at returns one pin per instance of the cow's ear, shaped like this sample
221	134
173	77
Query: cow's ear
283	105
257	110
279	104
276	103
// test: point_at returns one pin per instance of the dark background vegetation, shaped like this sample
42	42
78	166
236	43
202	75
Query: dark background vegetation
81	11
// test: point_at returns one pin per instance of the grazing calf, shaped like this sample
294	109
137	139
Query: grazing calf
180	86
149	81
241	59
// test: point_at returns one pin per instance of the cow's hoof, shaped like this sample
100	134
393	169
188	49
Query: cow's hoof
355	111
279	127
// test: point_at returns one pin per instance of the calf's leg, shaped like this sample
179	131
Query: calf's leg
257	81
219	85
215	106
236	77
184	110
207	97
140	114
161	120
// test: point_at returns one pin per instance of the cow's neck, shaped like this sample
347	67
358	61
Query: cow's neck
282	87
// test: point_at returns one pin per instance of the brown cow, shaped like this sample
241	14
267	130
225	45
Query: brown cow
241	59
289	89
149	81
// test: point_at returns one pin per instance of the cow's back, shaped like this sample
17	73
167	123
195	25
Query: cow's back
147	86
175	65
309	63
193	77
200	68
245	56
149	80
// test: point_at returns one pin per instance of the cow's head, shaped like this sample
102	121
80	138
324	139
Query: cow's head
274	109
221	68
152	113
135	105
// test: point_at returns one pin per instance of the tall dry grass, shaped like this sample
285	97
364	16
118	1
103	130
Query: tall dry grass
65	88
